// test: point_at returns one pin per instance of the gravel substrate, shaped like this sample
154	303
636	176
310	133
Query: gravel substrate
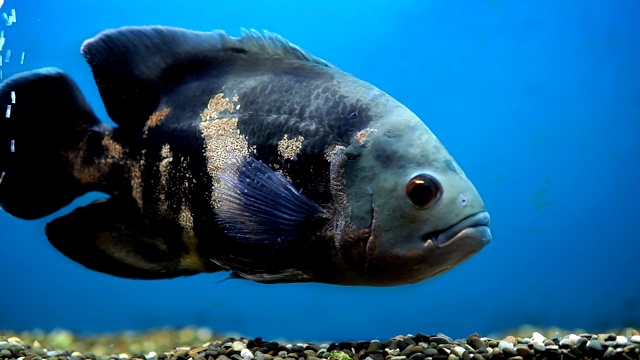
154	346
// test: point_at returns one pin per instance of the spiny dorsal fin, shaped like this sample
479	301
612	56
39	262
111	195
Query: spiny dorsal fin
134	66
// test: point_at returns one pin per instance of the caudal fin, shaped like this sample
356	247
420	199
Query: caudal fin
44	119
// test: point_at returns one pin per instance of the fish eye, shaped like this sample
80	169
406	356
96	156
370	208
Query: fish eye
423	190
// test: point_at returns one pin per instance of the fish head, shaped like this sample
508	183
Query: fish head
416	212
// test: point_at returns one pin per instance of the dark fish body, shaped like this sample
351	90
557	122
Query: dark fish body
243	154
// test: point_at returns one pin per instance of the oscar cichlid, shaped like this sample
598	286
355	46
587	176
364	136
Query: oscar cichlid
244	154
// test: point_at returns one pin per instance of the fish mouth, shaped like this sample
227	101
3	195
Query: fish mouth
477	221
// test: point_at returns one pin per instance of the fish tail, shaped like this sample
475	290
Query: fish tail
45	125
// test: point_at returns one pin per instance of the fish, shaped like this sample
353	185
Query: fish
240	154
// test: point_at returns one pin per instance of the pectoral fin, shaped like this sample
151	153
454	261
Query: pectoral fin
259	205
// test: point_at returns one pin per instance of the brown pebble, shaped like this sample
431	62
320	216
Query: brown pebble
549	342
516	358
309	353
292	355
634	332
475	342
510	339
524	351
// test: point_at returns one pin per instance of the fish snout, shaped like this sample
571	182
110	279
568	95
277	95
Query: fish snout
427	255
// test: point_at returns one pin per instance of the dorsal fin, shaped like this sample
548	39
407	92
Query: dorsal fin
134	66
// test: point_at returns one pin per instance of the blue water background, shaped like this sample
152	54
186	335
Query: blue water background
539	102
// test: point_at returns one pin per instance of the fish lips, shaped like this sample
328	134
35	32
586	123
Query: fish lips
440	251
472	228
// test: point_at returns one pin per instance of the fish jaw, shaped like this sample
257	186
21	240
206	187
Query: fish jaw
442	251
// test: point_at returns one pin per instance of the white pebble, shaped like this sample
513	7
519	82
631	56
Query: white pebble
7	114
2	39
76	354
13	146
574	337
396	352
635	339
22	59
459	349
504	344
151	356
124	356
7	57
13	97
246	354
621	340
538	338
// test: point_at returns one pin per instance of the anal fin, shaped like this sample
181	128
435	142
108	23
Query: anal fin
112	237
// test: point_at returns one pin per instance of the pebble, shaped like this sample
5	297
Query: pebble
375	347
635	339
567	343
430	352
409	350
524	350
238	346
621	340
441	340
475	342
538	338
581	343
595	345
246	354
539	347
609	353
